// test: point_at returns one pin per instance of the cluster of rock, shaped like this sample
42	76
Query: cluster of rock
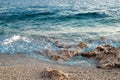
63	54
106	55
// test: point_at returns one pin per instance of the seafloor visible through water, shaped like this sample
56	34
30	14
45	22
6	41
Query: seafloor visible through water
25	25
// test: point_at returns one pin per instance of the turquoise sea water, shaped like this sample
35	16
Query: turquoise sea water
25	25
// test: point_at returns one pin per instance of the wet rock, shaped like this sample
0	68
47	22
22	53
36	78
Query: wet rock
58	44
64	54
103	38
100	50
53	74
59	55
106	55
82	45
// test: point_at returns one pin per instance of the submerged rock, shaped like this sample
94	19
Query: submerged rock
82	45
106	55
54	74
103	38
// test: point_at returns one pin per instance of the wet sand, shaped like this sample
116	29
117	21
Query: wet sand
20	67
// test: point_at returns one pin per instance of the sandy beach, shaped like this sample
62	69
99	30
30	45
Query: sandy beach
59	39
20	67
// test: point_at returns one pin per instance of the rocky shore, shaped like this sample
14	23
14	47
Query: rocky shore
20	67
105	55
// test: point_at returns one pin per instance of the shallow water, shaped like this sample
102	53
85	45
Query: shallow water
26	25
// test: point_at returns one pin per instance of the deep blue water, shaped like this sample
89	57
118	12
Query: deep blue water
25	25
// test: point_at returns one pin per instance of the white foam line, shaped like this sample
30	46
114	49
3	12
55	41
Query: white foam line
13	39
10	40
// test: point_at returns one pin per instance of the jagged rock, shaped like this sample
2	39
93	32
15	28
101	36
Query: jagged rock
82	45
64	54
97	51
110	59
54	74
57	55
106	55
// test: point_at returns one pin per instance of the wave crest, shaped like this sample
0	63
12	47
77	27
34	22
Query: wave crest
50	15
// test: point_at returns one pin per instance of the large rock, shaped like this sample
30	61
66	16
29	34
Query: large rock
64	54
53	74
106	55
59	55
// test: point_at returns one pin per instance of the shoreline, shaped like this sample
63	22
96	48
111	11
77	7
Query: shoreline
20	67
